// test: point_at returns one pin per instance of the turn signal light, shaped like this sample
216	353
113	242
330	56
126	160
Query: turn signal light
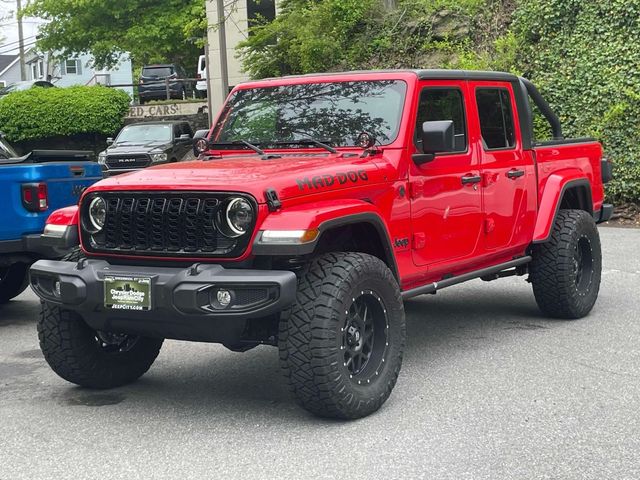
289	237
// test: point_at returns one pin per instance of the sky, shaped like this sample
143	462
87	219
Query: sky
9	28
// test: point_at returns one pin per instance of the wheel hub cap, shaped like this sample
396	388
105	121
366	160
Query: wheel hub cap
354	336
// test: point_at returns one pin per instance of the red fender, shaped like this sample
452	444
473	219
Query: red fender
64	216
313	215
551	197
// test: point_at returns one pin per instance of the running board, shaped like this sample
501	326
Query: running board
448	282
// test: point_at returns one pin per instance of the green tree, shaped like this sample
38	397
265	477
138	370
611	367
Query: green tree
150	30
307	36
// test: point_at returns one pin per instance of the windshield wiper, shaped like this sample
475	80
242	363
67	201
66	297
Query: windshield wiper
251	146
307	141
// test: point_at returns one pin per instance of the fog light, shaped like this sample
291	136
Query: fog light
224	298
57	289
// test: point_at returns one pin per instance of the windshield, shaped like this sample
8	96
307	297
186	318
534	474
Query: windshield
334	113
159	72
143	134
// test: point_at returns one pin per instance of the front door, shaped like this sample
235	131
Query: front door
446	192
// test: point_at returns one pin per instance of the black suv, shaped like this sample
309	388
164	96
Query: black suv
140	145
153	83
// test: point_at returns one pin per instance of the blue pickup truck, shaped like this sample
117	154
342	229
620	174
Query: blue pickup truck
31	187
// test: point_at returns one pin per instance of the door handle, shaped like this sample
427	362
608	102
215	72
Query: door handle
513	174
471	179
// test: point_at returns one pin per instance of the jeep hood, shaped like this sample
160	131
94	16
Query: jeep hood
290	176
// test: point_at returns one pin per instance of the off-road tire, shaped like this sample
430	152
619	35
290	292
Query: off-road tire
311	336
14	280
566	270
73	351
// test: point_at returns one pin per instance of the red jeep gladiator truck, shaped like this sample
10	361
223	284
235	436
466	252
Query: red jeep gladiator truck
317	205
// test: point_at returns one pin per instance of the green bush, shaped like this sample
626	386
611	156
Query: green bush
47	112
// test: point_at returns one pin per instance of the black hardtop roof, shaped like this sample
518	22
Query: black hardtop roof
424	74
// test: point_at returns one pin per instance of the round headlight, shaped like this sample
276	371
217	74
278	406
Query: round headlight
201	145
238	216
97	214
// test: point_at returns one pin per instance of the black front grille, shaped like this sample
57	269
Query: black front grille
164	224
128	161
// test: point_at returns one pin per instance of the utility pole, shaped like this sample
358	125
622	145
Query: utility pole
23	66
207	61
222	40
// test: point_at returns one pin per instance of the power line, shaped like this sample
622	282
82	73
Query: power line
30	44
16	42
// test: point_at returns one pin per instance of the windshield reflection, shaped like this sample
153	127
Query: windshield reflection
334	113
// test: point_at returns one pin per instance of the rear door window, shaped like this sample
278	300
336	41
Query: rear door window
496	118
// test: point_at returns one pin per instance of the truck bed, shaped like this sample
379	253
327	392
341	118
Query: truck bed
582	156
48	156
66	181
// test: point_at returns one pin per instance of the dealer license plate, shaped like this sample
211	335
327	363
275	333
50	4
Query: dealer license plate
127	293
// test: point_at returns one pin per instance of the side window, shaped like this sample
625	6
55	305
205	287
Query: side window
496	118
443	104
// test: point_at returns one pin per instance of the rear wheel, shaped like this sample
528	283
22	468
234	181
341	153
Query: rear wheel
14	280
341	343
566	270
88	357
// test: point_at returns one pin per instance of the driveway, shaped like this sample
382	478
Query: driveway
489	390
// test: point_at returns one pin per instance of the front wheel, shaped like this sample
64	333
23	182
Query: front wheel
341	343
14	280
566	270
91	358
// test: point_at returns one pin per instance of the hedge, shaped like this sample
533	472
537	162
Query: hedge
585	59
48	112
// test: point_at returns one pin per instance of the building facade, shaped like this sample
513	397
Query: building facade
77	71
9	69
240	16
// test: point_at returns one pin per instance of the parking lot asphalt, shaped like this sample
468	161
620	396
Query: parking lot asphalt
489	389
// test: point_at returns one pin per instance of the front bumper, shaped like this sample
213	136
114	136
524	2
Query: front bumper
33	245
183	302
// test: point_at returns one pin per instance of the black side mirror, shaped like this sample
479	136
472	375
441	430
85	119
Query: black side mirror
109	141
184	138
437	137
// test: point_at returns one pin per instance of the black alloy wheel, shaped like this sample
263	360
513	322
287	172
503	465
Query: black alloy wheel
364	338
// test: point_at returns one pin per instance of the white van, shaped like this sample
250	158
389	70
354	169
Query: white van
201	86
